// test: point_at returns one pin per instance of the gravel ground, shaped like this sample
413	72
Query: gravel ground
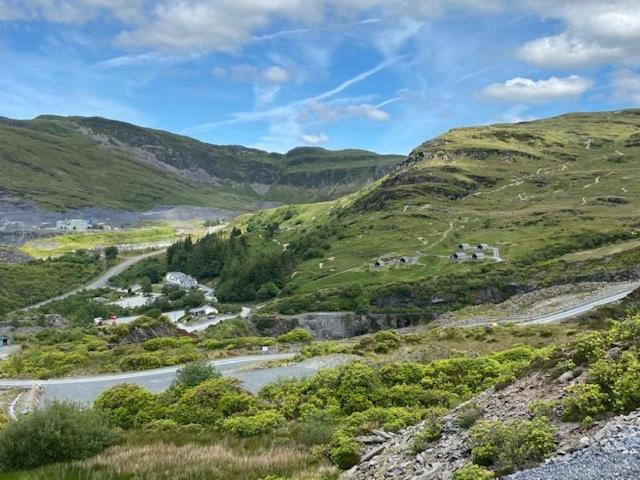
613	454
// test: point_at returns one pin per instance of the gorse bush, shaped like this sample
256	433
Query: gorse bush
128	405
344	450
259	424
508	447
468	414
194	374
473	472
583	400
297	335
59	432
432	431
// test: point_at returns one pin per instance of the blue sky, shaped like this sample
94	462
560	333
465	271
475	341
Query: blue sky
384	75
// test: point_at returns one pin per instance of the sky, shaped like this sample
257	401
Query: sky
384	75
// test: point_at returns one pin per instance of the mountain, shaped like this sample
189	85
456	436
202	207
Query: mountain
75	162
551	201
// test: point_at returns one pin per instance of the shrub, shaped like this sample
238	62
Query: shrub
211	402
128	405
432	431
267	291
60	432
507	447
344	450
582	400
542	408
194	374
297	335
468	414
265	422
588	347
473	472
316	428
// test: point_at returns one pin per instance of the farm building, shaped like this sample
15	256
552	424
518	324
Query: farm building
464	246
458	256
478	256
378	263
482	246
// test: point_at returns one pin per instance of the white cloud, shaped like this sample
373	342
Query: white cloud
525	90
626	86
225	25
371	112
597	32
566	52
276	74
311	139
74	11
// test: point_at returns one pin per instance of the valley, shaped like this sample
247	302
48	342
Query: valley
490	262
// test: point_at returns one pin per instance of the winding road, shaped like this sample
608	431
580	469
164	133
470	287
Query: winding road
99	282
245	368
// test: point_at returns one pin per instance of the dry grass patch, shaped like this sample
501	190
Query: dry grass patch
193	462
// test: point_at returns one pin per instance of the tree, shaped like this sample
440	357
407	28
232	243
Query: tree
194	374
267	291
111	253
60	432
145	284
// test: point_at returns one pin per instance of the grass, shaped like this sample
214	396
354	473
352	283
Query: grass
553	207
159	461
50	161
70	242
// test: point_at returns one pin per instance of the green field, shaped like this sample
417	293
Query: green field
541	192
70	242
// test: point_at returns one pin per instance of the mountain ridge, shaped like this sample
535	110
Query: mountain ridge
228	176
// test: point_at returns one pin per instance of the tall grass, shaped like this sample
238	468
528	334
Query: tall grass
164	461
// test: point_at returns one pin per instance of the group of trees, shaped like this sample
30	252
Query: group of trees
245	272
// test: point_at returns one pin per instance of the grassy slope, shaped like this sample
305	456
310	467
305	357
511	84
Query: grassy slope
62	168
524	188
49	160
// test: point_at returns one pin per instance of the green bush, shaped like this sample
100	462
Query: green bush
194	374
588	347
316	428
542	408
431	432
508	447
344	450
297	335
473	472
129	405
468	414
264	422
211	402
267	291
58	433
583	400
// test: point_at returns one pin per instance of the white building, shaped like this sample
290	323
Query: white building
181	280
75	224
203	311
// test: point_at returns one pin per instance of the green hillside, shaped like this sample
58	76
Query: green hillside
539	192
72	162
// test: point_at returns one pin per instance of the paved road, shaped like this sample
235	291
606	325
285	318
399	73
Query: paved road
611	294
101	281
87	389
